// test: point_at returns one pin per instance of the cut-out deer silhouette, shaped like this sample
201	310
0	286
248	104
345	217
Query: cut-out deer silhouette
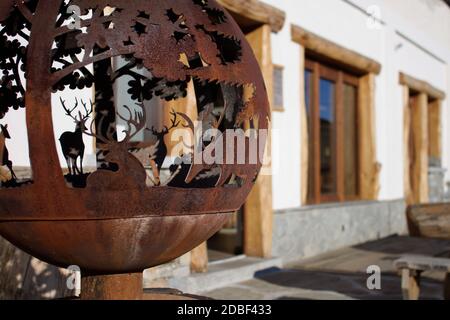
131	173
161	152
72	144
4	151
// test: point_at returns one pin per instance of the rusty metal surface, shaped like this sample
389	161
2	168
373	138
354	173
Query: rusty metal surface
110	220
113	246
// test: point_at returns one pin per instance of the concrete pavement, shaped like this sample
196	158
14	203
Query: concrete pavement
342	274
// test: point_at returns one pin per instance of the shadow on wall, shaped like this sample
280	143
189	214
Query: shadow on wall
24	277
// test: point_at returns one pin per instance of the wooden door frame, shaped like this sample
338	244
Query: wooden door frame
424	113
258	212
259	13
258	209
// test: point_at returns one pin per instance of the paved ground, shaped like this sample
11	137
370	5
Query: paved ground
342	274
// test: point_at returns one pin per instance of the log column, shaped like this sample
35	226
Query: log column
112	287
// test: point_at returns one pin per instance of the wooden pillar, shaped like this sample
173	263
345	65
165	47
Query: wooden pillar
126	287
369	168
422	135
409	198
447	287
258	211
410	284
419	175
304	134
435	130
199	259
186	105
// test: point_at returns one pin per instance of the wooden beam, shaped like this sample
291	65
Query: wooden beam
369	168
113	287
447	287
421	86
315	132
406	152
429	221
435	130
199	259
339	140
258	211
410	284
419	116
335	52
304	147
257	11
186	105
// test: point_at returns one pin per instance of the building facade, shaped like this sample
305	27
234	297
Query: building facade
400	117
361	124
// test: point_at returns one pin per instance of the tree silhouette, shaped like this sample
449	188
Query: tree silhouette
159	37
115	34
13	55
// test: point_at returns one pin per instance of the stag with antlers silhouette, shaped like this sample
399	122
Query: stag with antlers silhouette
131	173
161	152
72	144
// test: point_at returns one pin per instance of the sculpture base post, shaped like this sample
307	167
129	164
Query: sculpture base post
126	287
112	287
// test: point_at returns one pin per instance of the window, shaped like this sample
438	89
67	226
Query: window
331	102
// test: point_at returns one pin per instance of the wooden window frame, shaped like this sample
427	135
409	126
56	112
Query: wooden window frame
367	69
255	13
340	78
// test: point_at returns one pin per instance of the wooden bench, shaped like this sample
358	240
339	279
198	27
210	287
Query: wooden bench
412	267
429	220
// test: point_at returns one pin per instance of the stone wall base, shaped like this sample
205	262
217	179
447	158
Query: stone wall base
313	230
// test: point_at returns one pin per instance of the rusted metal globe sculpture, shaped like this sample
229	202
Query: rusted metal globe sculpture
139	206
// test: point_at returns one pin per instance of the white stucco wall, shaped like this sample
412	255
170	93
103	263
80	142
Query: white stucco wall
427	23
413	37
18	148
